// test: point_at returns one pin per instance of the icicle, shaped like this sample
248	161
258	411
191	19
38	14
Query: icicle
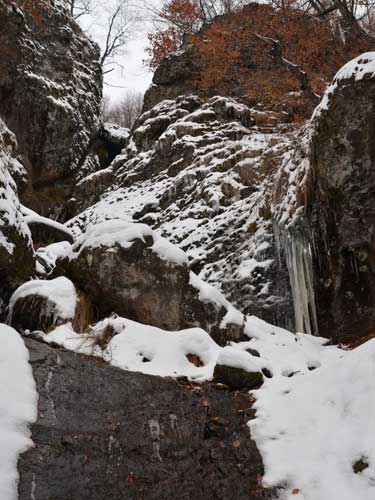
298	254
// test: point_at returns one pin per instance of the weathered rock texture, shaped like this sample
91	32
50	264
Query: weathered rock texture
105	433
203	174
135	282
173	77
237	378
50	92
16	251
95	174
343	205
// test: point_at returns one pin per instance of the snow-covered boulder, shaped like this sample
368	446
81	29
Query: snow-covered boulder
130	270
41	304
238	369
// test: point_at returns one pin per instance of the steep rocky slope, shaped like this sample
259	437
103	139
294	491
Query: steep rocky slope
276	216
210	214
202	174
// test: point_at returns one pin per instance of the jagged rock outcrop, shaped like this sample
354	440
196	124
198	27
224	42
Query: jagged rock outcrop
173	77
202	175
96	175
107	433
16	251
343	205
255	61
50	92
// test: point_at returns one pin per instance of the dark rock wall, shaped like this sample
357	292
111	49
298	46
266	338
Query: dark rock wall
50	93
104	433
343	211
173	77
16	251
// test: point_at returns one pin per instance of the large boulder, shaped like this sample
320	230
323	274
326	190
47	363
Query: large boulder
343	206
107	433
173	77
50	93
128	269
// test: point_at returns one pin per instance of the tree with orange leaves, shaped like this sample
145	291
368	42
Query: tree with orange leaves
175	20
265	53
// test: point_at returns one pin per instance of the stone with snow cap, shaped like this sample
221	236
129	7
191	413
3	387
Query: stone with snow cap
129	269
41	304
238	369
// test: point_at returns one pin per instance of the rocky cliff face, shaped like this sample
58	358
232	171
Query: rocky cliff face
279	217
210	213
16	250
50	92
202	174
343	209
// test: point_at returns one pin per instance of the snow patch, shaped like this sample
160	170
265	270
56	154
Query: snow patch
119	232
312	429
60	293
18	408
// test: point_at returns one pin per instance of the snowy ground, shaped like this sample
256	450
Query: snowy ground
314	430
314	417
18	408
314	421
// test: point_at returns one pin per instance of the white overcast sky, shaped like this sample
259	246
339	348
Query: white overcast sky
131	74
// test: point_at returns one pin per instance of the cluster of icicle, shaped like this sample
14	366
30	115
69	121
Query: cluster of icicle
295	245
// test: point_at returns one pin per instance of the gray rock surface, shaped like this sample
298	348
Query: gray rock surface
136	282
103	433
343	206
16	251
203	174
50	92
173	77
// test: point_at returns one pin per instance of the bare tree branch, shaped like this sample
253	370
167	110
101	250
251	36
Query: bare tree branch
293	68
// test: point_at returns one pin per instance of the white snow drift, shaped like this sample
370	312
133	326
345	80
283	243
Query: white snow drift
18	408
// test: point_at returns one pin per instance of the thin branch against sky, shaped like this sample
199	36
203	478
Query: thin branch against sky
127	71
